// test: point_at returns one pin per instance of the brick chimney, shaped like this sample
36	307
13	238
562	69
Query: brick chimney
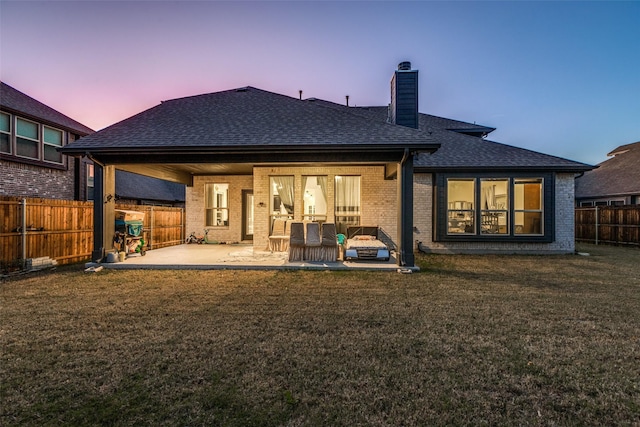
403	109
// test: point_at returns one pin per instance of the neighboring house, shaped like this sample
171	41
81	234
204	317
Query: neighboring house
137	189
30	163
616	181
249	156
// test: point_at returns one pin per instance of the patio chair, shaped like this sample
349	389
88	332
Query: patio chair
329	242
279	239
296	242
312	245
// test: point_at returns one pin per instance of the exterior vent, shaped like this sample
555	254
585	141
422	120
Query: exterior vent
404	66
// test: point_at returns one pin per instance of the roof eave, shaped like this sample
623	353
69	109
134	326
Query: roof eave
253	149
559	168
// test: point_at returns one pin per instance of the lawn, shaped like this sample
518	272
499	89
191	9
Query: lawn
470	340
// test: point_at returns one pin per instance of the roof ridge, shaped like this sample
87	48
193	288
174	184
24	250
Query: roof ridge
59	119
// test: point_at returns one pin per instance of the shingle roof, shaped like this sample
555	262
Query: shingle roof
249	118
133	186
246	117
459	151
20	103
617	176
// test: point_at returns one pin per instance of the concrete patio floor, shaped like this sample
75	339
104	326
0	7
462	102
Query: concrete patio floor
238	257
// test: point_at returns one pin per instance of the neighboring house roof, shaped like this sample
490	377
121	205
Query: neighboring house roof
133	186
617	176
20	103
247	118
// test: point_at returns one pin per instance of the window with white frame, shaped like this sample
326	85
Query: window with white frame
347	202
216	205
281	197
315	198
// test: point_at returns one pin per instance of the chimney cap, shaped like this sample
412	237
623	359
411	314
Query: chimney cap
404	66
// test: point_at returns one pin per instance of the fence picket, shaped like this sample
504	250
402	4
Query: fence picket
63	229
616	225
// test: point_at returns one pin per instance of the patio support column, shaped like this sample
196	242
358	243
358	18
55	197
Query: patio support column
405	255
98	213
103	210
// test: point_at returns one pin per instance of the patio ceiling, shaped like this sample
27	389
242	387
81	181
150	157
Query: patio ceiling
182	166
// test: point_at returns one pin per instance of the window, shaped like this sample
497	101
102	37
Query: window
315	198
347	203
282	197
52	139
216	205
484	207
494	205
461	196
29	141
90	185
5	133
528	206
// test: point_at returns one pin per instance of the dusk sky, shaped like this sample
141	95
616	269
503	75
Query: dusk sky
562	78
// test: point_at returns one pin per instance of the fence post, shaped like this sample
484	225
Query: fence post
151	221
597	225
24	233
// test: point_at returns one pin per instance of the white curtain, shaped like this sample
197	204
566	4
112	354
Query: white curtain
347	194
322	182
490	197
284	186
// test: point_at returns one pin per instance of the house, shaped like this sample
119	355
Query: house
135	189
249	156
616	181
30	163
31	166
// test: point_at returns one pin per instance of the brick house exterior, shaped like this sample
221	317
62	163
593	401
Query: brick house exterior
30	133
426	182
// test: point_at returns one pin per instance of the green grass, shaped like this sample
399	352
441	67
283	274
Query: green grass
470	340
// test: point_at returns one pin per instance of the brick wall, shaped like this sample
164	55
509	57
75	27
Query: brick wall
195	212
24	180
378	200
378	196
378	203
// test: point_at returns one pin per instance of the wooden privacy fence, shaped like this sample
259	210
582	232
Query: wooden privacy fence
614	225
63	229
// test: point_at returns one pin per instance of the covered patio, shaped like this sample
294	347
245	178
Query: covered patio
237	257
